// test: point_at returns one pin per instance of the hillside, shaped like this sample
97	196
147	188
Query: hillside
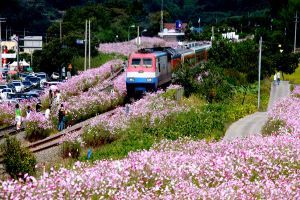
35	16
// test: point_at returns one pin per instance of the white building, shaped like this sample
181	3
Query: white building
32	43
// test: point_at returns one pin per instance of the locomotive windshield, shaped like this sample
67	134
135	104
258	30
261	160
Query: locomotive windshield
136	62
147	62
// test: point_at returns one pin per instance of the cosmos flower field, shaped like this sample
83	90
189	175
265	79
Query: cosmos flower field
251	168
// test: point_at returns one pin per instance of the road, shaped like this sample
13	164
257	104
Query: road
252	124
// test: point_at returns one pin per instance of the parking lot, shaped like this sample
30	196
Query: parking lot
23	86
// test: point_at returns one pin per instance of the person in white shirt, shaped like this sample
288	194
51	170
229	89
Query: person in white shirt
47	112
278	78
275	79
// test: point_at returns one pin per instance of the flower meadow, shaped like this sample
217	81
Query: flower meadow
252	168
287	110
152	108
125	48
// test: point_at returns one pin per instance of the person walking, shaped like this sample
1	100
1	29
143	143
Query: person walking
275	79
28	112
278	77
61	118
18	117
38	106
57	97
50	97
47	113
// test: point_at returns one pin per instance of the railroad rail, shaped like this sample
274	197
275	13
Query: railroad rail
10	130
55	140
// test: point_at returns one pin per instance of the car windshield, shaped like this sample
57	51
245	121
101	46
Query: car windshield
17	84
34	79
26	83
41	76
6	90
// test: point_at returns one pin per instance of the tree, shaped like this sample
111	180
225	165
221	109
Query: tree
18	161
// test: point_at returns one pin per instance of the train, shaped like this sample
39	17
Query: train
150	68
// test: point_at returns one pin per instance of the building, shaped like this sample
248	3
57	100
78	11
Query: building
173	31
32	43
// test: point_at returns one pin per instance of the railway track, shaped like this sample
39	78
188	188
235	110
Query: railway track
10	130
55	140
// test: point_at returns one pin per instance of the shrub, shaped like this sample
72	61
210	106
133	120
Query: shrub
37	127
71	149
273	126
97	136
18	161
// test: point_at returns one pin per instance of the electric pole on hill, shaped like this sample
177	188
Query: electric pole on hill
2	20
162	16
295	40
85	44
259	69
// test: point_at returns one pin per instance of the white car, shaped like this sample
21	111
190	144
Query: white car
19	86
4	93
3	87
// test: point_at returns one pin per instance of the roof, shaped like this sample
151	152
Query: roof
170	26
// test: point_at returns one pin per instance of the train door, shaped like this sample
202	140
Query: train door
162	62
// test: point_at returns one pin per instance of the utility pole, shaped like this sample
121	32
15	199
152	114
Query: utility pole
85	44
259	69
1	20
89	44
60	34
162	16
24	33
295	40
6	34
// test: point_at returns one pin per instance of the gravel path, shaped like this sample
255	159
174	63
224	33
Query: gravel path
252	124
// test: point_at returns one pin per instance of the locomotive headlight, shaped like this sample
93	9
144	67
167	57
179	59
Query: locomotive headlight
131	79
149	79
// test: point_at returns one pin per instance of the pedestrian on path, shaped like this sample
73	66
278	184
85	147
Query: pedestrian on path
275	79
28	112
18	117
47	113
61	117
278	77
50	97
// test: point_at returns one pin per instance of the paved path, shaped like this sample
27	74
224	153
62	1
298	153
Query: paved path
252	124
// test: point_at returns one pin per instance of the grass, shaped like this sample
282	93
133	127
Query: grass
204	121
96	61
294	78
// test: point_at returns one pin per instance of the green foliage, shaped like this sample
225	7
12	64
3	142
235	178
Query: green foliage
132	139
34	132
18	161
71	149
215	87
272	127
185	77
97	136
96	61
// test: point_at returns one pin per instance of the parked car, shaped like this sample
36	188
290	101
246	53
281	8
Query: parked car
36	82
27	85
3	87
55	76
5	92
19	86
11	86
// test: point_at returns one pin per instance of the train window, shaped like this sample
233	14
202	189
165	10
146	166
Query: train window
136	62
147	62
